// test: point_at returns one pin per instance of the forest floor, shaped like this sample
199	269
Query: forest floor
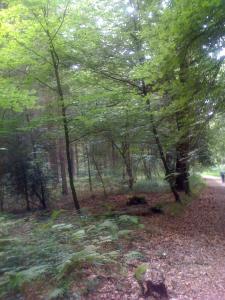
186	244
189	250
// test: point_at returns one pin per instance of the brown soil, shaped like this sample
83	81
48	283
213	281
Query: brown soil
188	249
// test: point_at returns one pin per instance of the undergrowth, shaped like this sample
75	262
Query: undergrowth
177	208
32	249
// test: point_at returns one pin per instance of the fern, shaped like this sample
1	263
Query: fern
55	214
58	249
78	235
57	293
15	280
132	255
109	225
128	219
124	232
62	226
140	271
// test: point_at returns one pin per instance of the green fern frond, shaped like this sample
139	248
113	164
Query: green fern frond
56	293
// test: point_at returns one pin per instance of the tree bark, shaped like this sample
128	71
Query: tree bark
182	170
1	198
182	150
26	193
113	156
55	61
99	175
128	165
89	170
42	197
62	168
77	165
53	160
168	174
72	159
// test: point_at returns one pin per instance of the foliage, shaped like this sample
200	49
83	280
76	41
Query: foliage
133	86
126	96
57	249
140	271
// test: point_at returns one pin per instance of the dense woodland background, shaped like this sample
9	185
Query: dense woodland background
108	94
99	98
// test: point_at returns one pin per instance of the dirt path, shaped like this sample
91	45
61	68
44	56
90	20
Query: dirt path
189	250
195	247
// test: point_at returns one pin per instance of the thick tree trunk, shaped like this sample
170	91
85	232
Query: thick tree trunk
182	150
182	166
182	170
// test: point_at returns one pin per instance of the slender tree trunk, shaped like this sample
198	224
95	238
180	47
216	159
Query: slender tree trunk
128	163
43	198
38	170
55	61
147	170
54	161
123	173
26	191
72	159
62	168
99	175
1	199
113	156
77	165
139	46
129	172
168	174
89	170
130	177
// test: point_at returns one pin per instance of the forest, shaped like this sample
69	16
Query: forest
112	141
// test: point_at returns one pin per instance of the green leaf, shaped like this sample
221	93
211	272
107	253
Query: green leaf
140	271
